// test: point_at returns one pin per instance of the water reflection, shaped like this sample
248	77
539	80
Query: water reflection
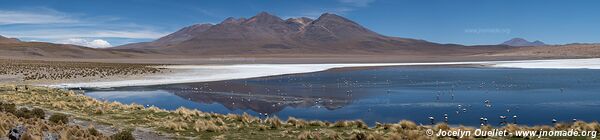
388	94
261	98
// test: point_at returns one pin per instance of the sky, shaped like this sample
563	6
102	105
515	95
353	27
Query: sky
106	23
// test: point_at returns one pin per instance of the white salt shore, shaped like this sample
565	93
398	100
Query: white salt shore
592	63
206	73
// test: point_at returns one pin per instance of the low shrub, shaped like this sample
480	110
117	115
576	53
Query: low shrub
8	107
123	135
299	123
23	113
274	122
317	123
38	113
93	131
341	123
408	125
59	118
441	126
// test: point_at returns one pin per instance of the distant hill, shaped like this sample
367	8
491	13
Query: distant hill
520	42
14	49
8	40
554	51
269	34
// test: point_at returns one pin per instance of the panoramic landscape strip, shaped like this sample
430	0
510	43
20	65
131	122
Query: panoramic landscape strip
298	69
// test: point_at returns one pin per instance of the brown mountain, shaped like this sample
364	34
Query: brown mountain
4	40
16	49
268	34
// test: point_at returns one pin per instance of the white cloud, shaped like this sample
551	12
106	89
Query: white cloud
82	33
39	16
49	25
357	3
96	43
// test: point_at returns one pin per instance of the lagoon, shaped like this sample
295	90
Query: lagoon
389	94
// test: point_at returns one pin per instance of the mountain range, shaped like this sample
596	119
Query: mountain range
520	42
269	34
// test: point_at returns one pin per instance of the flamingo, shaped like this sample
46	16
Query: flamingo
487	103
503	118
432	119
445	117
485	120
481	121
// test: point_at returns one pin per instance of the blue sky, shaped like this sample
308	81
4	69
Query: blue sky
103	23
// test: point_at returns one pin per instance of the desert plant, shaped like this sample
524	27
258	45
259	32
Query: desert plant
123	135
341	124
330	134
38	113
360	135
595	126
98	111
317	123
360	124
208	125
262	127
561	126
274	122
59	118
299	123
93	131
23	113
8	107
305	135
408	125
246	118
441	126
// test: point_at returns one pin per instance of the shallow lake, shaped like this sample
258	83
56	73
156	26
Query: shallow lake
390	94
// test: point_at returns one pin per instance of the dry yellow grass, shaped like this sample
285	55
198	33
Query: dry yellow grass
299	123
36	128
30	70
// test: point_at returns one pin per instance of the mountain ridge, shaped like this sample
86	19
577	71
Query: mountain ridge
8	40
268	34
520	42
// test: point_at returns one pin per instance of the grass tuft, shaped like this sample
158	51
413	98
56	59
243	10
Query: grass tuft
123	135
409	125
298	123
59	118
274	122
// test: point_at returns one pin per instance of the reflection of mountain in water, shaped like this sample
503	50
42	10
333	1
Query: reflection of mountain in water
259	96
